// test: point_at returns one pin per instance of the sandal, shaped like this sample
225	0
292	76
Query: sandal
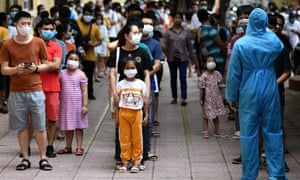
122	169
23	165
152	157
205	134
118	165
155	134
79	151
155	123
134	169
44	165
65	150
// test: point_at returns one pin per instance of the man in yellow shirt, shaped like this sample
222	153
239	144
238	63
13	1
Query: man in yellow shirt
91	38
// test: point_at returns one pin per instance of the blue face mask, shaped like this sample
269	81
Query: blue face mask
9	22
47	35
13	14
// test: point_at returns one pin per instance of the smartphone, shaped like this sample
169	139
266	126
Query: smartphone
27	64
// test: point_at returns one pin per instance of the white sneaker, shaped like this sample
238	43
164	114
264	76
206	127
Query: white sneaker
236	135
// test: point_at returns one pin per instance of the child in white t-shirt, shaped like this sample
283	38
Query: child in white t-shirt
131	93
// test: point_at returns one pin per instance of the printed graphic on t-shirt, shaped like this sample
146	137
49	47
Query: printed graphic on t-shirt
131	100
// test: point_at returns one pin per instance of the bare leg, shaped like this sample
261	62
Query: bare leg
51	128
79	137
216	124
41	139
205	124
23	138
69	138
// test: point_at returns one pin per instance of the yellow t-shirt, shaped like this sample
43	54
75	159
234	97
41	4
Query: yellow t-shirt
95	35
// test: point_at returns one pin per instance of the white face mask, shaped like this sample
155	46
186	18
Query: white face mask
71	64
239	30
87	18
211	65
24	30
136	38
130	73
147	29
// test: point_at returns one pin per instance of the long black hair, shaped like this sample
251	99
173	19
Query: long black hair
133	20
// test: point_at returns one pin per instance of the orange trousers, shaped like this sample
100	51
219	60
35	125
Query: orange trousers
130	135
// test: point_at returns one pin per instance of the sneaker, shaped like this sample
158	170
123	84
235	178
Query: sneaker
236	135
237	160
220	134
50	152
205	134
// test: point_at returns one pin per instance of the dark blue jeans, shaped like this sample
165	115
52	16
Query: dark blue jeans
182	66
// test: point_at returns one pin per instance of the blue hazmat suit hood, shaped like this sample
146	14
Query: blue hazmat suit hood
253	56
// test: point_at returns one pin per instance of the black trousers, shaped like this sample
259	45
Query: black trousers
88	69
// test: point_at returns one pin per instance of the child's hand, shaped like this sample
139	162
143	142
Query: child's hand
201	103
84	110
145	120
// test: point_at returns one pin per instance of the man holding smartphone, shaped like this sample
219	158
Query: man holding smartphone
22	58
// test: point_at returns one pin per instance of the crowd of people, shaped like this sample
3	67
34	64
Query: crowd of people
49	65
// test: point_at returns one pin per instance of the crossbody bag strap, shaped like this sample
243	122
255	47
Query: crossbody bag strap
117	63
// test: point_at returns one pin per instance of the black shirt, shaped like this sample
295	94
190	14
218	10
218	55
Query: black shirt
140	56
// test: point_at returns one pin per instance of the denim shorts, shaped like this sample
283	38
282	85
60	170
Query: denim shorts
27	109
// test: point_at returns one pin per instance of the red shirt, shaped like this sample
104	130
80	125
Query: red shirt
50	79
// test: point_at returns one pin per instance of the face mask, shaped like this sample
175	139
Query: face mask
24	30
13	14
136	38
147	29
71	64
98	22
48	34
292	20
177	23
211	65
9	22
130	73
87	18
203	7
239	30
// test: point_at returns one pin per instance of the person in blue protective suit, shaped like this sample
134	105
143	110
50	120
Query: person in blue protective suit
251	81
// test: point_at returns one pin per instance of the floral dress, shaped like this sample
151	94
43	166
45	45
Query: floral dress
213	102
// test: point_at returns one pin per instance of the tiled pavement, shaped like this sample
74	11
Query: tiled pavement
182	153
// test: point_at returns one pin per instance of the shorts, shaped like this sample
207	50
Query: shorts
20	104
52	105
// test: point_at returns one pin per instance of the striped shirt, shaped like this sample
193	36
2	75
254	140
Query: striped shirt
208	34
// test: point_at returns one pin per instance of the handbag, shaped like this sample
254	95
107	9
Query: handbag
112	105
86	39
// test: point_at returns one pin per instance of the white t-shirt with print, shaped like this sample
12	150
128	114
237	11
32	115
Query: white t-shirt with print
131	94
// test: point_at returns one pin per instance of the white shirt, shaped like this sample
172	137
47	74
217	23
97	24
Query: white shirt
195	22
293	37
113	16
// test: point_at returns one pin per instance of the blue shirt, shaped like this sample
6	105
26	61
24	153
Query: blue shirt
156	52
